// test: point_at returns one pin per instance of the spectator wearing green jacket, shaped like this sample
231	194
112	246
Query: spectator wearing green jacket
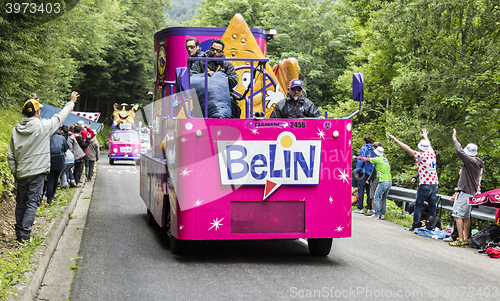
383	169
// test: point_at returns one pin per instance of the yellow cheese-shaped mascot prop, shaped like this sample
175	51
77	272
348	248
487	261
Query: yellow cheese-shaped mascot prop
124	115
240	43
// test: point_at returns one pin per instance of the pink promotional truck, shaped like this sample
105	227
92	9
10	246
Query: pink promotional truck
242	178
124	145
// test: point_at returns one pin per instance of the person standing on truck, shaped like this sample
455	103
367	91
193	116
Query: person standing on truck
29	160
193	47
295	105
363	172
427	176
217	51
467	187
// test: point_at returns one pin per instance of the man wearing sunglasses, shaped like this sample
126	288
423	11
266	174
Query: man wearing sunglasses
295	105
193	47
217	51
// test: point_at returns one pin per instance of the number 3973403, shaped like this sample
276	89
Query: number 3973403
32	8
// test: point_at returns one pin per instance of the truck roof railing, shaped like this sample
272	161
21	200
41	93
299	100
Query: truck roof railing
260	66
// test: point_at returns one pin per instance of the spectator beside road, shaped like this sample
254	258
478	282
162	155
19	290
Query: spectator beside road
295	105
77	145
467	187
428	180
373	182
364	170
58	148
384	186
67	172
92	155
29	160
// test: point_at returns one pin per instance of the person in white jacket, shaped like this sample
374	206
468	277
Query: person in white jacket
29	160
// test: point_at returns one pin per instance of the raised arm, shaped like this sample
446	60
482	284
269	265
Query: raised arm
405	147
424	135
364	159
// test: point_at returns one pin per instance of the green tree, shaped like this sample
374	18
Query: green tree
431	64
123	72
219	13
312	31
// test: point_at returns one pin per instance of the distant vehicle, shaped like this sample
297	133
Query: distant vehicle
124	145
145	140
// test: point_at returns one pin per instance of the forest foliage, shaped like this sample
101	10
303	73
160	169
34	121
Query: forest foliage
102	49
427	63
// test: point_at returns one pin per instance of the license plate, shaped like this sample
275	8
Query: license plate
127	149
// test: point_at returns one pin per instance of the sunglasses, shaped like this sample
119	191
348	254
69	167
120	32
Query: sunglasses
190	47
296	89
121	106
216	50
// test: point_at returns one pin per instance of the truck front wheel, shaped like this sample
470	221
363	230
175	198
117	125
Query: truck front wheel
319	246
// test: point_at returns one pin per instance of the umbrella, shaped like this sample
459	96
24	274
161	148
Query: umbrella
488	198
47	111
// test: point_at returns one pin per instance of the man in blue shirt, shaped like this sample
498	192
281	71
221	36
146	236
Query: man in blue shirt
363	171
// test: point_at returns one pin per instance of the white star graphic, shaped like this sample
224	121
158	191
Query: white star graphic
349	143
254	131
184	139
285	124
330	200
343	175
321	134
185	172
181	227
198	203
339	228
219	132
216	224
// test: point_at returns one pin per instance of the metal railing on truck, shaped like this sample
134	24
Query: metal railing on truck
406	195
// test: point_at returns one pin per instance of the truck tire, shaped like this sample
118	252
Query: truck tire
177	246
150	218
319	246
111	161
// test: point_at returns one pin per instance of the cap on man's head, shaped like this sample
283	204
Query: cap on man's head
379	151
295	83
80	122
423	145
471	149
30	107
33	95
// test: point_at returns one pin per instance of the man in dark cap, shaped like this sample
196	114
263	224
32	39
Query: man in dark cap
29	160
295	105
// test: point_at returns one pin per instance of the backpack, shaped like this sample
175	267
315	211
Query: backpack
489	233
433	222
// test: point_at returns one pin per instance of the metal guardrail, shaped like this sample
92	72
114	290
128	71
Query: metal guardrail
409	195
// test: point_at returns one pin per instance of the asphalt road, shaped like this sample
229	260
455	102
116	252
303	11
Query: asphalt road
122	258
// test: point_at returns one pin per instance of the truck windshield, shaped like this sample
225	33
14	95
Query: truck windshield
126	137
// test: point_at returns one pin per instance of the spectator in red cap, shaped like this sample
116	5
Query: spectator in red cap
295	105
92	155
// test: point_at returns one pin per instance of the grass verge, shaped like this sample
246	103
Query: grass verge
16	259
